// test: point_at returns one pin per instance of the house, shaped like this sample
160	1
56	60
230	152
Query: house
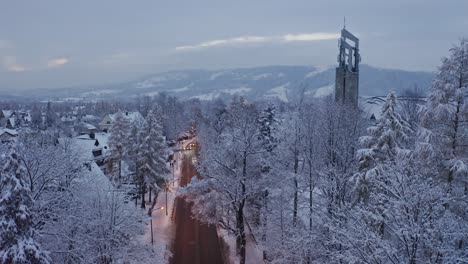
90	130
90	119
11	123
7	135
95	148
106	122
6	114
24	115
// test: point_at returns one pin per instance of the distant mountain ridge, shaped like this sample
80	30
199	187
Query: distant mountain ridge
282	82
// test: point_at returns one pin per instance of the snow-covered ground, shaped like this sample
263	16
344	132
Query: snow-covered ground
98	188
161	218
253	252
163	229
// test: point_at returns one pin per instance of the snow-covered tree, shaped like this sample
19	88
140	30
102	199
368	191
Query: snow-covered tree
36	117
152	154
383	145
17	236
230	165
51	117
117	141
443	136
268	122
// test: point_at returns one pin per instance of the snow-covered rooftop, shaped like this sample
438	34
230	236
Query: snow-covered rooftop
132	116
12	132
7	113
89	126
85	145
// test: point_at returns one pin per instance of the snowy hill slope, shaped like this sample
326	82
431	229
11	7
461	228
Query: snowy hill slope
282	82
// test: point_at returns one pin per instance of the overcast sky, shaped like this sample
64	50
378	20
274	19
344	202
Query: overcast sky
58	43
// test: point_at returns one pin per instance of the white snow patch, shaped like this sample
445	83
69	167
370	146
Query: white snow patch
317	71
152	93
206	97
324	91
183	89
157	81
99	92
371	106
253	254
261	76
280	92
214	95
216	75
236	90
146	84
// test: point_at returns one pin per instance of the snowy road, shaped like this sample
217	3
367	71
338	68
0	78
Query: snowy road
194	243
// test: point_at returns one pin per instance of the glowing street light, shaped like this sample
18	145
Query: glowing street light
151	222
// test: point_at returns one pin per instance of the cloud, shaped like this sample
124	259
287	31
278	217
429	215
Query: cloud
243	40
310	37
225	42
10	64
57	62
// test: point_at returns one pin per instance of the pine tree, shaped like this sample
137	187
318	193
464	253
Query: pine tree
50	115
383	145
117	141
17	243
443	135
268	123
152	161
134	152
36	117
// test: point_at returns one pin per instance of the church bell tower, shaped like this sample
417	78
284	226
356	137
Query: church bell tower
347	72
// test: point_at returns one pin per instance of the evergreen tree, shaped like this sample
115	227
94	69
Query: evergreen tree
443	135
117	141
383	149
134	152
268	123
383	145
50	115
152	161
17	243
36	117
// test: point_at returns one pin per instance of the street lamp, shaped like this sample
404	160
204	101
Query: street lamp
151	221
168	183
173	164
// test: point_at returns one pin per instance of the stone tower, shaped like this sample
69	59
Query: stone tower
347	72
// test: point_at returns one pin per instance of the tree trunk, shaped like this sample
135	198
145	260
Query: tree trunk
265	220
143	191
120	171
265	215
241	240
281	218
296	168
311	191
149	198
